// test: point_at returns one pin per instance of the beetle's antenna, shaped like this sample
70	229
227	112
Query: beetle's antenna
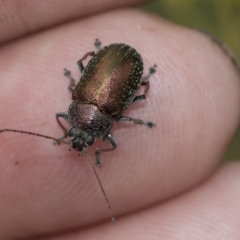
31	133
102	189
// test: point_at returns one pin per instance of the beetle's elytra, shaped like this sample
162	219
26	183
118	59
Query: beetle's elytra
107	86
110	80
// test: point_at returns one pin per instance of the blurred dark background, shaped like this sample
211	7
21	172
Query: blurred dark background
220	17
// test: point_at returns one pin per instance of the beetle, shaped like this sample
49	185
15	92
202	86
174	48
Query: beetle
107	87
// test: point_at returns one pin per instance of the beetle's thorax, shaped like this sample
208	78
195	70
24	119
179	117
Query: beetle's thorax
87	118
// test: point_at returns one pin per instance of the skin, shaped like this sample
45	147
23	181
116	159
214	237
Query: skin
163	183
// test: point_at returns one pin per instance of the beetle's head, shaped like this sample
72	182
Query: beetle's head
80	139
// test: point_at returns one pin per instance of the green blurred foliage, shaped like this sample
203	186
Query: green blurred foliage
219	17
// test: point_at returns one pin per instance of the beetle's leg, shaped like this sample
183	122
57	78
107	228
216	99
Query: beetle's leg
67	73
97	44
145	82
109	139
72	82
63	115
138	121
79	63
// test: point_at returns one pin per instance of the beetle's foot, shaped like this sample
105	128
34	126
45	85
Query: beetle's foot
58	141
97	44
141	122
98	161
152	70
150	124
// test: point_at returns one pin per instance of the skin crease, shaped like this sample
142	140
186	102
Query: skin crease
21	17
162	183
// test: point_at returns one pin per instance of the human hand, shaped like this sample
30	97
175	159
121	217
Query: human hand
162	183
